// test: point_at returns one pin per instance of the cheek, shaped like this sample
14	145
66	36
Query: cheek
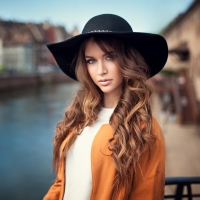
118	74
90	72
120	79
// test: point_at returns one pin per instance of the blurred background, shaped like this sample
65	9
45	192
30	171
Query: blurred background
34	92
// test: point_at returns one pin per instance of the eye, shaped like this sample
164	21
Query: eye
90	61
110	57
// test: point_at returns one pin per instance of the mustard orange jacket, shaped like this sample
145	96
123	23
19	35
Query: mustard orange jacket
149	179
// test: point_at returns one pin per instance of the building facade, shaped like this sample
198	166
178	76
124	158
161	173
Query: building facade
23	46
183	38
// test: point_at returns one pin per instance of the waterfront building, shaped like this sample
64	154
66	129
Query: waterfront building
23	47
1	52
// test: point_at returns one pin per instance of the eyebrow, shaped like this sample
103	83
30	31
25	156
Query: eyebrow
89	57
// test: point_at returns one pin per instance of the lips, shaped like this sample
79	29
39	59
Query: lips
105	82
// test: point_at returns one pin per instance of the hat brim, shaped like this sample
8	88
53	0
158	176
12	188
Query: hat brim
152	47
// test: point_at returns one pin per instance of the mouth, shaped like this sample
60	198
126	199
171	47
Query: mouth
105	82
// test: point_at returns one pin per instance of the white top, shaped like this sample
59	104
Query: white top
78	175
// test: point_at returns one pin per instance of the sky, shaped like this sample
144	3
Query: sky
142	15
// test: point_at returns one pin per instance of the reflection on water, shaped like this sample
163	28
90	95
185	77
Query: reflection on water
27	122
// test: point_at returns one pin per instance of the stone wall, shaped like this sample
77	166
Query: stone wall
9	83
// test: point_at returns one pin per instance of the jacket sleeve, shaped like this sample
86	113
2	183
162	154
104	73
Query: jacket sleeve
55	190
149	181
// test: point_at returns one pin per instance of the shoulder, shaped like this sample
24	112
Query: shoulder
156	130
152	161
158	147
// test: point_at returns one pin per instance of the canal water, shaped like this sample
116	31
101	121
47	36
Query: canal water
27	122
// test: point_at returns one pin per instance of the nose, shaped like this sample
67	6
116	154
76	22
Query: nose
101	68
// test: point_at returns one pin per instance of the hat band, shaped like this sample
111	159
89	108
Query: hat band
99	31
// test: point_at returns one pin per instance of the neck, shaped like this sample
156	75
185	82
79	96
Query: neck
110	101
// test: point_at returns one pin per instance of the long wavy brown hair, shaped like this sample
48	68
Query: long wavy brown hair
131	119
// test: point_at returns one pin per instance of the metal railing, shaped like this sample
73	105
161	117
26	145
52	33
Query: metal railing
180	183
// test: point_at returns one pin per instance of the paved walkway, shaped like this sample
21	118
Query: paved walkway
182	147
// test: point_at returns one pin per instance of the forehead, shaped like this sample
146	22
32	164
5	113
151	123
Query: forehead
91	47
97	45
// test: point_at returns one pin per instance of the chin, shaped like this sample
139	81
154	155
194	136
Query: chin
106	90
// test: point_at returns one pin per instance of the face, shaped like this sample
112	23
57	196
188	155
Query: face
103	70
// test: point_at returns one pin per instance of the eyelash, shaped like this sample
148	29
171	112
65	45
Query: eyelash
110	57
91	61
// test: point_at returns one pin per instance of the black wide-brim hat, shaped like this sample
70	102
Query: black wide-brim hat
152	47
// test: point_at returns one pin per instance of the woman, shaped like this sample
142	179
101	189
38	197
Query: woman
108	145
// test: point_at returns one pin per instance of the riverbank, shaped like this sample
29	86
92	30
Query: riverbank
28	118
19	81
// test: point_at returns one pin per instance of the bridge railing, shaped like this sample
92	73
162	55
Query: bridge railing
180	183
